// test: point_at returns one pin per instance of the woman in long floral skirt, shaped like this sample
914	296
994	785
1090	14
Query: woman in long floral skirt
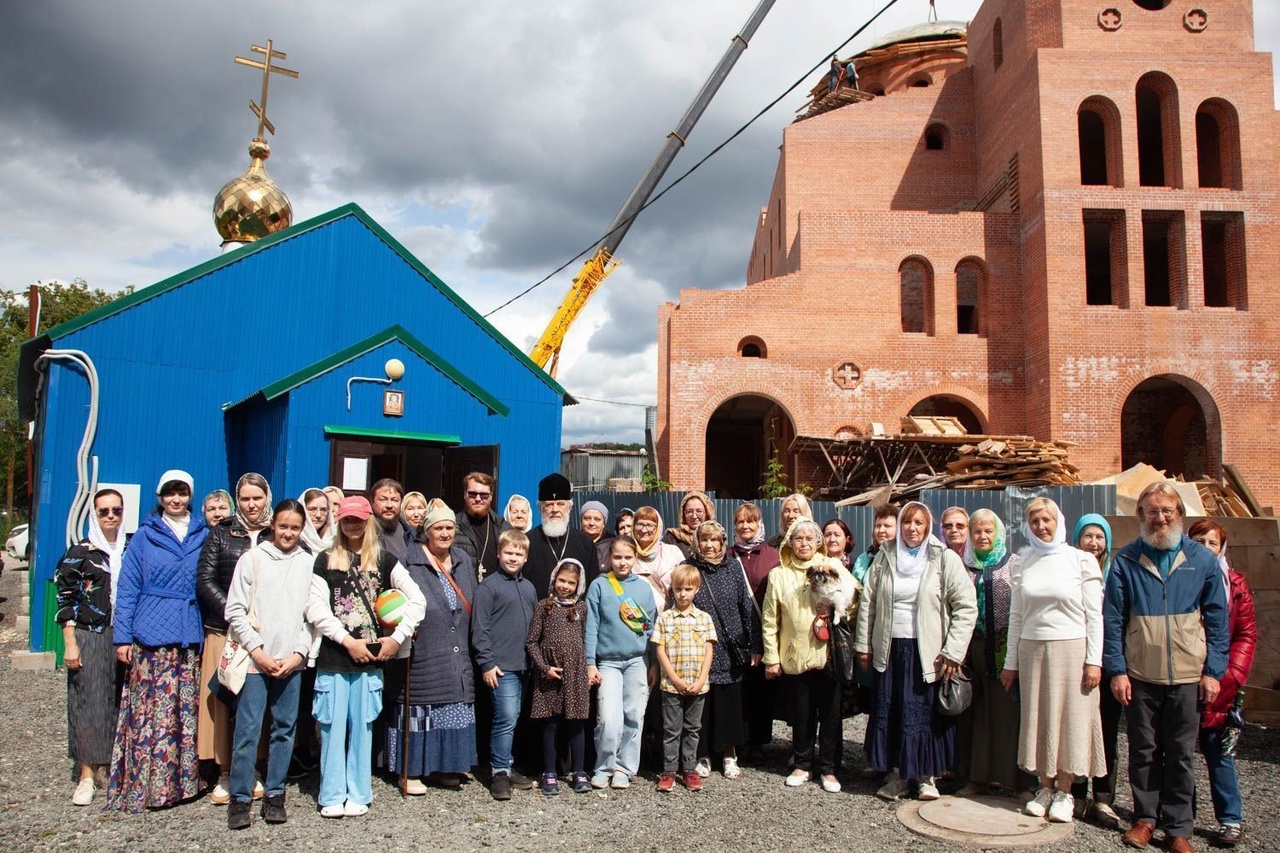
158	634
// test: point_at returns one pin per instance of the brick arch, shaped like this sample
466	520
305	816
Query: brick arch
980	296
916	295
1199	389
1159	131
1218	161
974	401
1101	160
738	446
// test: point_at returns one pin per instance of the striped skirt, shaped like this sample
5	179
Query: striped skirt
153	763
1061	727
93	697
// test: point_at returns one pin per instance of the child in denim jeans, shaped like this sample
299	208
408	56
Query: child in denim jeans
620	612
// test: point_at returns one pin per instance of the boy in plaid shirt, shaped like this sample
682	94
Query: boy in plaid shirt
683	635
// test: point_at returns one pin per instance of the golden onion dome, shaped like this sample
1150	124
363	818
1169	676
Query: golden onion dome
252	206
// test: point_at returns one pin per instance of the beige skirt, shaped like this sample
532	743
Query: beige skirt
213	730
1061	730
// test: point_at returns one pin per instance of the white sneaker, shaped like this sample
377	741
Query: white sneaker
350	809
332	811
1038	806
84	792
222	791
1062	808
928	789
831	784
620	780
894	787
797	778
703	767
731	769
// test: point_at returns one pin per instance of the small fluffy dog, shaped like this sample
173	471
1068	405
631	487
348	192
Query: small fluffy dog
832	589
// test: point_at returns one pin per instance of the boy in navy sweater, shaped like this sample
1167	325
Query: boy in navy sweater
500	620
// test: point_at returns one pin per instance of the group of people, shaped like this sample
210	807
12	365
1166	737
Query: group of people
508	642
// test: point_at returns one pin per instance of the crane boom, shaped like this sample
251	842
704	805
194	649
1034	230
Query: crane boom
546	352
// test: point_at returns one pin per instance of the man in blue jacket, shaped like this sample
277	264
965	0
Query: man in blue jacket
1165	648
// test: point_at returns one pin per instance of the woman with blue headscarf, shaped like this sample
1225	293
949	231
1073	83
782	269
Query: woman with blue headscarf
987	735
1093	534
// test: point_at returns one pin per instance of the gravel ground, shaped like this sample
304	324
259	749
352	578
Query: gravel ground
35	800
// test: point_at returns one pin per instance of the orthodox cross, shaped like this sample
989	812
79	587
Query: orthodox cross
269	54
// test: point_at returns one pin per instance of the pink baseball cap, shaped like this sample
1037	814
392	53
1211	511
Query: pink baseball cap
354	507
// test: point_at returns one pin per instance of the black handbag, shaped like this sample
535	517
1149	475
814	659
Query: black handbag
955	694
840	653
737	648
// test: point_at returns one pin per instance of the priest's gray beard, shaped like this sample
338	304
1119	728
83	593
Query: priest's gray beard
1166	540
555	529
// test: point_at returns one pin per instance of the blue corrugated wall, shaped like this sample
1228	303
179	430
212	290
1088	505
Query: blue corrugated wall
169	363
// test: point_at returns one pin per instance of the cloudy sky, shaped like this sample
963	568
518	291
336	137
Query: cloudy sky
495	139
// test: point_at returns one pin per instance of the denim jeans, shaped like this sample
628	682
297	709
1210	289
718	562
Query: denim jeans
1224	785
621	701
345	706
259	692
506	711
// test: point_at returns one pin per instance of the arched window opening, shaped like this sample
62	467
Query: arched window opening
921	82
969	279
878	91
1093	148
997	44
915	277
936	137
1159	151
752	347
1098	130
1218	145
1152	5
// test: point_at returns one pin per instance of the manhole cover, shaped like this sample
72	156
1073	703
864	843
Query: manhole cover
981	822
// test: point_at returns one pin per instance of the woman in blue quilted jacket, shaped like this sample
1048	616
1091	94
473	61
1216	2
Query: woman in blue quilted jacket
158	634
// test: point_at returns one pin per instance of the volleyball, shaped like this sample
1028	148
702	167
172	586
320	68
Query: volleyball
390	606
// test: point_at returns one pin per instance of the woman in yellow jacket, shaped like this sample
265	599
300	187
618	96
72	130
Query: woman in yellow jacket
795	651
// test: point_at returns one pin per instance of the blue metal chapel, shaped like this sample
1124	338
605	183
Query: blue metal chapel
277	357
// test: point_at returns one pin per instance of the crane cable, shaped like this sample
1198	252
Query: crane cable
698	165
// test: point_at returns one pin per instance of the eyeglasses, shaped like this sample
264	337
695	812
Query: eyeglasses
812	540
1159	513
479	496
110	511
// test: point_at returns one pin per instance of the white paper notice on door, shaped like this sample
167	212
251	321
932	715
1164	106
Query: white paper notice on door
355	473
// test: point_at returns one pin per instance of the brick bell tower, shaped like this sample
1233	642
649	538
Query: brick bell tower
1056	220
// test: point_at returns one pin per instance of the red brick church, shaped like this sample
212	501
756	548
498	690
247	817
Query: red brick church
1057	220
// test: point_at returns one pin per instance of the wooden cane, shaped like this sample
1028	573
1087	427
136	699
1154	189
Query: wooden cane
404	741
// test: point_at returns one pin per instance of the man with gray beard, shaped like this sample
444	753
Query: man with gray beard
1165	650
553	541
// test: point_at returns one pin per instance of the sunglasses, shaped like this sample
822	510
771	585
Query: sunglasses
479	496
110	512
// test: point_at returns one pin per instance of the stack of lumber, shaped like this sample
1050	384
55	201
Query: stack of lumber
626	484
998	462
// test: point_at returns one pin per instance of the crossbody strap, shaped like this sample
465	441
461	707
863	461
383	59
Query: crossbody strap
449	577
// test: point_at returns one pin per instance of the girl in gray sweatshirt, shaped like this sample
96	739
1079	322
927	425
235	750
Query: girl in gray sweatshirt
265	609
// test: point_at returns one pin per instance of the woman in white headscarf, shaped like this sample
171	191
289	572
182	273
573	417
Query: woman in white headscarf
318	529
518	513
914	625
1055	656
86	580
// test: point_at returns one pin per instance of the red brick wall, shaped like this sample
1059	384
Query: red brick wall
856	193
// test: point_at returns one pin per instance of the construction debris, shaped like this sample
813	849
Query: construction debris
1206	496
875	469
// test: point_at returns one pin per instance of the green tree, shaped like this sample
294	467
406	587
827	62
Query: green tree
59	303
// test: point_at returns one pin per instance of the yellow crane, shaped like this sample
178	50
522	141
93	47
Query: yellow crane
546	351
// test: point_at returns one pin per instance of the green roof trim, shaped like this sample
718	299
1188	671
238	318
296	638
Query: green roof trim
356	432
393	333
349	209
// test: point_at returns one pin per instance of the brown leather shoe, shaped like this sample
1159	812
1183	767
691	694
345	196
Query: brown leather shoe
1178	844
1139	835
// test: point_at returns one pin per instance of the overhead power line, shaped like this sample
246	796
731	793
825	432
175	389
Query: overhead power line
714	151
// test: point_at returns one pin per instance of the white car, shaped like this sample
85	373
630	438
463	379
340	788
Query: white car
17	544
